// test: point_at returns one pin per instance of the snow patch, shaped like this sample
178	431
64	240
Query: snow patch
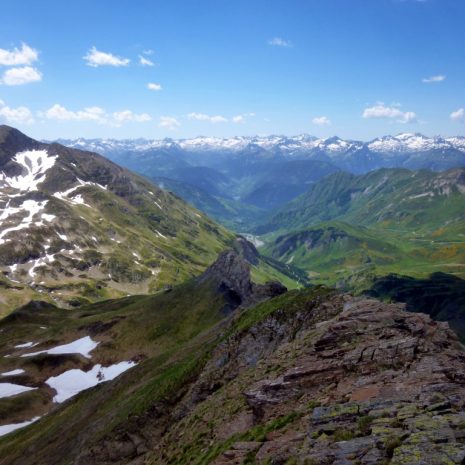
40	262
18	371
10	389
35	164
77	199
71	382
25	345
82	346
47	217
30	207
5	429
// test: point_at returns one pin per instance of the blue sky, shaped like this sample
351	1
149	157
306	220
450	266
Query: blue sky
358	69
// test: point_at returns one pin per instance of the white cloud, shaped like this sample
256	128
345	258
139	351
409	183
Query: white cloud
241	118
431	79
321	121
128	115
203	117
19	76
59	112
15	115
145	61
24	56
154	86
279	42
169	122
458	115
96	58
99	115
380	111
238	119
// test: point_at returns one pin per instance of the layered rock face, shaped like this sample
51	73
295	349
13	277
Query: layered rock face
386	385
335	381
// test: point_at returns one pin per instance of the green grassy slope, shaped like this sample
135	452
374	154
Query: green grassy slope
168	335
348	229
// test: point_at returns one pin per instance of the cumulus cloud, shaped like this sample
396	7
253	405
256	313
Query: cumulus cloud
59	112
280	42
458	115
145	61
321	121
431	79
169	122
381	111
203	117
18	115
128	115
20	76
97	58
154	86
99	115
241	118
16	57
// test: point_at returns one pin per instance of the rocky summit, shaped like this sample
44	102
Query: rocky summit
338	380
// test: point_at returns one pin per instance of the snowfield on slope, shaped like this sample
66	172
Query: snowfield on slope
83	346
35	164
71	382
5	429
18	371
10	389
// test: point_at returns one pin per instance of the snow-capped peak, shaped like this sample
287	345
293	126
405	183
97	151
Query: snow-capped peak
292	146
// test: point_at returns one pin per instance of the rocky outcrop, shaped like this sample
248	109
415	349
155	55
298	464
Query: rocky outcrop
338	381
231	274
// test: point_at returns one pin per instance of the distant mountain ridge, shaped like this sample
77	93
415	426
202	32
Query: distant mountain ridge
409	150
400	142
226	177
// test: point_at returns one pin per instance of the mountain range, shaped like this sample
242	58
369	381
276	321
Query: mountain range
238	180
408	150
